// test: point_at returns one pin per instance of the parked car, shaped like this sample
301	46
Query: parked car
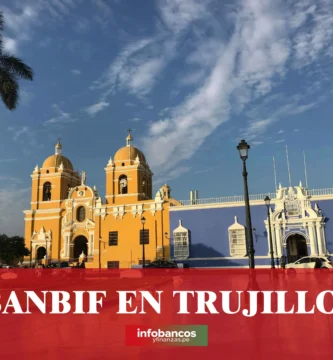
310	262
162	264
59	265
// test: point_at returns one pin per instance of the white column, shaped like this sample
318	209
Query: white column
90	244
312	236
323	237
34	252
268	242
71	249
278	240
274	242
66	246
319	239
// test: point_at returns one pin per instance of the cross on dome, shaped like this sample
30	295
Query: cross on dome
58	148
129	138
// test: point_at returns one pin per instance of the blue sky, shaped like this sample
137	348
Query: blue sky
190	77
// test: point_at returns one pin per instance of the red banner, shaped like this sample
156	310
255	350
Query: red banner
175	313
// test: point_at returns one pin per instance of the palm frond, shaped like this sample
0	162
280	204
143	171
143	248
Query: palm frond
9	89
17	66
1	21
1	30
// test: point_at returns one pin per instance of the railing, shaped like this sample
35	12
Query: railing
321	192
254	197
226	199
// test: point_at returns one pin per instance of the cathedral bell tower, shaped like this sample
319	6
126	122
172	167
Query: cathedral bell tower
50	187
128	176
51	182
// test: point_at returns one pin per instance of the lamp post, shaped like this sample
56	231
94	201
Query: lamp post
143	221
268	202
30	253
99	253
243	148
46	252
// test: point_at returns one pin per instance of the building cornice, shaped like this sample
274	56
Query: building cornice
43	211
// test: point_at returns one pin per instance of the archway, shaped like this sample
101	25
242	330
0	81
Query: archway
80	244
41	252
296	247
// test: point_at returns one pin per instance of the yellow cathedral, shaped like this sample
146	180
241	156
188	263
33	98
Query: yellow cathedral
70	221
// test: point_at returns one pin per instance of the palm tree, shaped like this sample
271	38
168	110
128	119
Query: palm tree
11	69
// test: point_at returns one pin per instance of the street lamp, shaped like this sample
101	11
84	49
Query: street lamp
46	252
243	148
268	202
143	221
30	253
99	254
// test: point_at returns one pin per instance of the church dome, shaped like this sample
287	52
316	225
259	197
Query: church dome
56	159
129	152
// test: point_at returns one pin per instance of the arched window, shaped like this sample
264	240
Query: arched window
47	191
123	186
80	213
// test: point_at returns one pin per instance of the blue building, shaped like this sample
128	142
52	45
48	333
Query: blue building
211	232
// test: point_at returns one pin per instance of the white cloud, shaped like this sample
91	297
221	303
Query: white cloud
76	72
18	133
22	22
19	25
280	141
314	39
132	71
280	131
193	78
136	119
61	118
296	130
129	104
247	67
24	135
237	57
137	68
96	108
105	8
10	45
142	80
256	128
111	77
178	14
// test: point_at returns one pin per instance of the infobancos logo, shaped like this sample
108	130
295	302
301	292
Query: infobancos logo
167	335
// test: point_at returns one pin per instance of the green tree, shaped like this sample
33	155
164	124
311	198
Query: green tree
12	248
11	69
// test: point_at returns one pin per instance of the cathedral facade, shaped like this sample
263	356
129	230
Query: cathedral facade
69	221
